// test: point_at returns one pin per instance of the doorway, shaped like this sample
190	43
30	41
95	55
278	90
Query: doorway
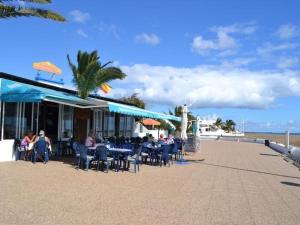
81	118
48	119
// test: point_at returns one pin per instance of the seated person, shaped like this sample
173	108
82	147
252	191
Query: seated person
161	139
28	143
39	143
170	139
90	140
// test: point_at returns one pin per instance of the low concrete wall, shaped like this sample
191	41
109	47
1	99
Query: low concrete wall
7	150
279	147
292	152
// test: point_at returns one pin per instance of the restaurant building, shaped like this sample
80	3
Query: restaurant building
27	105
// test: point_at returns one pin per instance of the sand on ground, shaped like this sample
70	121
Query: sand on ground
225	183
279	138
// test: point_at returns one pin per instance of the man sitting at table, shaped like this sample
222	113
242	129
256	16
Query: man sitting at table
90	140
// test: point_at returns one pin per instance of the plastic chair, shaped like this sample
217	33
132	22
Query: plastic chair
164	155
20	150
76	150
101	156
84	157
174	151
135	159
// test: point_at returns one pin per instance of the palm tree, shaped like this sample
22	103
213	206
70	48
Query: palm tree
178	112
135	100
218	122
229	125
13	8
89	73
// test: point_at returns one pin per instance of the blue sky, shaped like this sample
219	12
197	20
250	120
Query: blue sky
234	59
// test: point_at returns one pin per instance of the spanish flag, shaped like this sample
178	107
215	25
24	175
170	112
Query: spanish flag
105	88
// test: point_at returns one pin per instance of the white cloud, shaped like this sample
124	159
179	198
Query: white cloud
150	39
268	48
287	31
287	62
108	29
79	16
224	40
242	28
82	33
207	86
238	62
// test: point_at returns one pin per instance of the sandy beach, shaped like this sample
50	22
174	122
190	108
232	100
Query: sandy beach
225	183
279	138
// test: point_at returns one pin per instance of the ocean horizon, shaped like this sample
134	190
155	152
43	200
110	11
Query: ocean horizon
270	133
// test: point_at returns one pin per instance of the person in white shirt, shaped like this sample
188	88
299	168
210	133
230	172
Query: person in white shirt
90	140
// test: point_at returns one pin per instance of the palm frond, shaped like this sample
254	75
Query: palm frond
11	11
109	74
30	1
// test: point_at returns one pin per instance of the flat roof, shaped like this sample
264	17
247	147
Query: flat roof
39	84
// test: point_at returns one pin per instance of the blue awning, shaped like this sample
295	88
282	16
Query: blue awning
135	111
12	91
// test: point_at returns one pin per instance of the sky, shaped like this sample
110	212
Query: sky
224	58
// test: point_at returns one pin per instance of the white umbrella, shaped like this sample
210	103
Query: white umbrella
198	126
184	122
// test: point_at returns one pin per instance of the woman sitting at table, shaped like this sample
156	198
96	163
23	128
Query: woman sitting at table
27	143
90	140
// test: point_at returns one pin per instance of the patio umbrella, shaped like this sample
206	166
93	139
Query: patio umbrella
184	122
198	126
47	67
150	122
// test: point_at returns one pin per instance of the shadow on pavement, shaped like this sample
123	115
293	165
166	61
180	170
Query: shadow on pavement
266	154
290	183
247	170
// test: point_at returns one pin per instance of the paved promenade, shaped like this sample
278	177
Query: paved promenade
225	183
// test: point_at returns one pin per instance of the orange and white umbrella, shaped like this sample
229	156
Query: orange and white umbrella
47	67
150	122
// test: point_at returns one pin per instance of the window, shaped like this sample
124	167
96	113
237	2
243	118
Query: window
98	124
129	126
111	124
122	125
26	125
67	121
10	120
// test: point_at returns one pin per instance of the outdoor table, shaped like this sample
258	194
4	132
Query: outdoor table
95	146
118	153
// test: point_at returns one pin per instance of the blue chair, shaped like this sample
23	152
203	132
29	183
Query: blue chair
101	156
76	150
135	159
127	146
84	157
174	151
164	155
40	149
144	154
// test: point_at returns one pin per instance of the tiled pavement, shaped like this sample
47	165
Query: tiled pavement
225	183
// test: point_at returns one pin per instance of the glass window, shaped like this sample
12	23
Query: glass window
129	126
10	120
27	119
105	123
122	125
111	124
67	122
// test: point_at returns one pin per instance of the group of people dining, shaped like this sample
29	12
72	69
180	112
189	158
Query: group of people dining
39	146
35	146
